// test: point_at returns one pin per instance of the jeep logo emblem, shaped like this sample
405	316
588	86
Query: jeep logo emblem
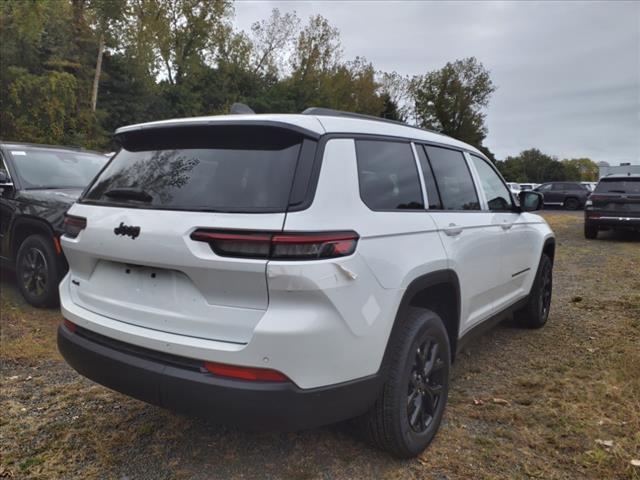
123	229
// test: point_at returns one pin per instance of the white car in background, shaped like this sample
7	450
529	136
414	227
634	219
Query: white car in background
515	188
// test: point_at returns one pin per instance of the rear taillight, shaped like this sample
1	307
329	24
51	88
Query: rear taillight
245	373
74	225
279	246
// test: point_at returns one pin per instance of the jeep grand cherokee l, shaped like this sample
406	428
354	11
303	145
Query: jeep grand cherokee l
38	183
614	205
289	271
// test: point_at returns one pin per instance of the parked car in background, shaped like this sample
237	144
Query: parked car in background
38	183
570	195
590	185
238	267
614	205
528	186
514	188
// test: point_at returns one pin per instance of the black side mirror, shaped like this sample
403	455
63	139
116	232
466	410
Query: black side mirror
531	201
4	178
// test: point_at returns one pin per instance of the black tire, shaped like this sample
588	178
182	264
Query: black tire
408	412
536	312
590	232
571	203
38	271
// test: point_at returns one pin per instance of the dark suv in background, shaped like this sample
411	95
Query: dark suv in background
570	195
38	184
614	205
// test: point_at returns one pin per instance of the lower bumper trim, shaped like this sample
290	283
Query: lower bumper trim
247	404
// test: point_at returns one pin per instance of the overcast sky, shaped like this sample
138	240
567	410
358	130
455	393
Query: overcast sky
568	73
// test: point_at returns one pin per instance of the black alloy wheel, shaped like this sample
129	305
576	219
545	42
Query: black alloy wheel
34	272
546	279
425	385
38	271
406	416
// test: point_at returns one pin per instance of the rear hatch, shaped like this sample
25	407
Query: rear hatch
619	196
136	260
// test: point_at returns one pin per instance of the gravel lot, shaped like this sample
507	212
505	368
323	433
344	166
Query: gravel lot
562	402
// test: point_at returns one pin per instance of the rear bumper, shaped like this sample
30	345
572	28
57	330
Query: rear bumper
178	384
612	220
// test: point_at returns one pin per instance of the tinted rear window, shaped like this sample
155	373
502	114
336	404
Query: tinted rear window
630	185
388	175
238	170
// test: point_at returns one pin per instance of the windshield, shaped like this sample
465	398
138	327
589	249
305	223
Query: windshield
50	168
627	185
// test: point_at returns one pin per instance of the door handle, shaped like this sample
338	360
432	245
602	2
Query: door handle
452	230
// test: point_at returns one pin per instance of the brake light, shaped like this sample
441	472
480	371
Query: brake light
279	246
70	325
74	225
245	373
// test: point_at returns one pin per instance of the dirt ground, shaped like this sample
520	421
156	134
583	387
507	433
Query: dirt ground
558	403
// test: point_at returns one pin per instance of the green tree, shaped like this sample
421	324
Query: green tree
396	96
39	108
581	169
452	100
531	166
186	33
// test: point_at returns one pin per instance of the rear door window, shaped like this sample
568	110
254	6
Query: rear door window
453	178
220	169
388	175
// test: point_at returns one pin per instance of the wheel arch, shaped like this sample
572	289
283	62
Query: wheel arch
549	248
438	291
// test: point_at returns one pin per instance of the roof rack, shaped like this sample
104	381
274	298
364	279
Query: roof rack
329	112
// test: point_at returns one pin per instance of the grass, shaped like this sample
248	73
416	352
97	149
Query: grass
538	404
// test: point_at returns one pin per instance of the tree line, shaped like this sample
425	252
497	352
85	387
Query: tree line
72	71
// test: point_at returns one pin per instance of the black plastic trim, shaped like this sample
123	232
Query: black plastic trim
141	374
433	279
486	325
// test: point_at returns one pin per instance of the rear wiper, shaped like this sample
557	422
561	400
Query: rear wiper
129	193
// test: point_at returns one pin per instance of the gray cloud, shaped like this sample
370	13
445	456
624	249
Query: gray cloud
568	73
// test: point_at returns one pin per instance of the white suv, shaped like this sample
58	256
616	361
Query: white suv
289	271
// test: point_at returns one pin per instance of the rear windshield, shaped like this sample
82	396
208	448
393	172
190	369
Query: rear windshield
628	185
207	170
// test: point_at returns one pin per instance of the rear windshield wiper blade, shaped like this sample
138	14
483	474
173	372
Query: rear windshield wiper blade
129	193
